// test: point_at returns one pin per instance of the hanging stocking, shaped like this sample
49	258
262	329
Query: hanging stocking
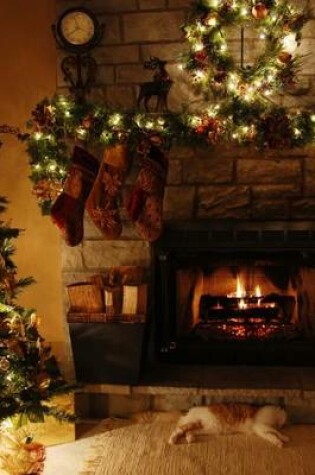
145	203
102	204
68	210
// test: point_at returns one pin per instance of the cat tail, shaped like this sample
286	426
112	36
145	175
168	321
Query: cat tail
185	430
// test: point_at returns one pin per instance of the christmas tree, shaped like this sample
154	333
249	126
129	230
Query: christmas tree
29	373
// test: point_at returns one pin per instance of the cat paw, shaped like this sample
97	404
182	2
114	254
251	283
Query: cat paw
172	440
278	443
190	438
285	438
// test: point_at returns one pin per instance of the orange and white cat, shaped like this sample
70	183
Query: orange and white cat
215	419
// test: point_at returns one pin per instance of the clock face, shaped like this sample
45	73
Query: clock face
77	27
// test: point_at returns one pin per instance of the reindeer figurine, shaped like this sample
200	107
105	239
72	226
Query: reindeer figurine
159	87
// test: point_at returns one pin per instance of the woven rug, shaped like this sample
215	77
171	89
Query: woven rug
142	449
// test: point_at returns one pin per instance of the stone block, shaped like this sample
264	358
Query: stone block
308	29
174	175
124	406
105	75
179	202
179	3
82	404
72	277
117	54
171	402
166	51
276	191
179	152
270	209
306	48
223	202
132	74
90	230
107	389
157	26
99	6
100	254
120	96
208	170
303	209
112	32
151	4
309	177
71	257
241	399
260	172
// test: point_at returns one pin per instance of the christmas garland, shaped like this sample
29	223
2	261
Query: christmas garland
214	69
59	123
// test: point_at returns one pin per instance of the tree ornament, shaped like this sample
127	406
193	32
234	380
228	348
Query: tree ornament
284	57
4	364
260	11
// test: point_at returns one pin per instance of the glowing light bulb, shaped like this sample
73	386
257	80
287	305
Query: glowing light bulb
81	132
149	124
289	43
67	113
199	74
268	92
262	36
313	117
52	167
198	46
243	11
223	48
297	132
38	135
115	119
181	67
106	136
37	166
201	27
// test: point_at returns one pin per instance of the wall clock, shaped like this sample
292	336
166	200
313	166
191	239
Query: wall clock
78	30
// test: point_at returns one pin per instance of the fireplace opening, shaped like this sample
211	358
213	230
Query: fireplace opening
246	299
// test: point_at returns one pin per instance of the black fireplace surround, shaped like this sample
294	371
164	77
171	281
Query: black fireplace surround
235	293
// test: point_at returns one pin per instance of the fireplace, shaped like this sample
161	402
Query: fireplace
237	293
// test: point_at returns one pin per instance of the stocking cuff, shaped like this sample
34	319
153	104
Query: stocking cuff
85	162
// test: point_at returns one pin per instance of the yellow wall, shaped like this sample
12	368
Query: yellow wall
28	74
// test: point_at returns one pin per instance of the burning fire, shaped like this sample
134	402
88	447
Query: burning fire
240	290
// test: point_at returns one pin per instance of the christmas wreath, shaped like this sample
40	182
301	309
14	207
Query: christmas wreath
276	23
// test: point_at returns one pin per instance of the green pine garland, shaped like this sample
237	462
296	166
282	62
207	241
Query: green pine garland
60	122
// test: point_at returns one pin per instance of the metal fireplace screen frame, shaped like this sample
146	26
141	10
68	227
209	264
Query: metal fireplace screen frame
289	242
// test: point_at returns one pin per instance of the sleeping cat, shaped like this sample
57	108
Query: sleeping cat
228	418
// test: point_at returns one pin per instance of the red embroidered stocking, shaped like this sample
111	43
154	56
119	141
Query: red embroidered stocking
102	204
68	210
145	203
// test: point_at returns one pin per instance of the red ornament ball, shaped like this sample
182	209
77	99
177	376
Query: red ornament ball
284	57
259	11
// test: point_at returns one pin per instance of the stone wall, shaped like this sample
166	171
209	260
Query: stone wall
225	183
